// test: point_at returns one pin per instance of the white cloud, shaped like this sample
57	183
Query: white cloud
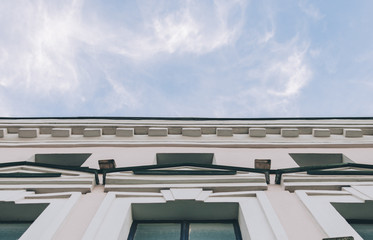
43	45
274	82
63	51
41	57
176	30
188	29
315	52
38	49
291	75
310	10
267	28
120	97
267	36
5	107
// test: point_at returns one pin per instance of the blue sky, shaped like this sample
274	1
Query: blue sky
186	58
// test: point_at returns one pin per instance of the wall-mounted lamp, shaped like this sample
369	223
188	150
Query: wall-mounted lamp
263	163
106	164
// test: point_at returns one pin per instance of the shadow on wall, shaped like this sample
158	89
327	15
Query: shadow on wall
318	159
63	159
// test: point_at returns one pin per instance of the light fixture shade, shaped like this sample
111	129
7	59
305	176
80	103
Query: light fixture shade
106	164
263	163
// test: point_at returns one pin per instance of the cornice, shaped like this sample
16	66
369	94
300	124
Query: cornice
211	132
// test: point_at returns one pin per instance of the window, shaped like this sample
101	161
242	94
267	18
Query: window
185	230
250	214
15	219
317	159
185	220
359	216
363	227
13	230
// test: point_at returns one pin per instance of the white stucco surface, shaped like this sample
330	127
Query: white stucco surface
298	207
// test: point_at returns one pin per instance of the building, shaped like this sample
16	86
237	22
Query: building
165	178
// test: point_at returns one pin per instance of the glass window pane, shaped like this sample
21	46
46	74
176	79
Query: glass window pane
211	231
12	231
158	231
365	230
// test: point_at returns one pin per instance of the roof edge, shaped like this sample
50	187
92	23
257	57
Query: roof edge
190	118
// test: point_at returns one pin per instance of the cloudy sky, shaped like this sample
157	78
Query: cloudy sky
186	58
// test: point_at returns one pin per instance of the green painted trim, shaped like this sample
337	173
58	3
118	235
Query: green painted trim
29	175
78	169
145	168
315	170
26	163
151	167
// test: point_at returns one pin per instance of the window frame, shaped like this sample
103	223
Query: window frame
184	224
48	222
115	215
331	220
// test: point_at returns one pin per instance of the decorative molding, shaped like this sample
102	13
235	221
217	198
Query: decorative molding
67	181
328	178
127	179
317	132
328	218
263	225
124	132
214	133
157	132
191	132
351	133
47	224
290	132
61	132
92	132
28	132
224	132
257	132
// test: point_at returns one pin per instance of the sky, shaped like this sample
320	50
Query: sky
227	59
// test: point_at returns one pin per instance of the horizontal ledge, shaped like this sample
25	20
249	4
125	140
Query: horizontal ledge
29	175
185	144
183	172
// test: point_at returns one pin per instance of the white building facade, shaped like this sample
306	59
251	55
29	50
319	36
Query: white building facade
139	178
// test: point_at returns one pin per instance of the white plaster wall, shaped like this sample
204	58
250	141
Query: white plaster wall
295	218
134	156
256	217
